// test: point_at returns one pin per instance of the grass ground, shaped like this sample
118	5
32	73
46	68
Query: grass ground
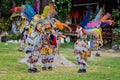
106	67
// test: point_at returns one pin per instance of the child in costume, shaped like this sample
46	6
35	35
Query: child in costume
24	26
32	54
82	54
98	45
48	44
81	49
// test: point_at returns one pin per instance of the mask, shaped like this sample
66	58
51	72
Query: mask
47	32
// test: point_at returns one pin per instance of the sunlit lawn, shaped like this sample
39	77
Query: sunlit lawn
102	68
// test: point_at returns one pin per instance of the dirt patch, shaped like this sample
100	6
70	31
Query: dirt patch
109	53
2	73
59	60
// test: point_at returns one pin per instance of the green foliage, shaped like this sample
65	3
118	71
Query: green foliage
4	25
6	5
31	2
116	16
117	41
13	37
67	45
117	31
62	7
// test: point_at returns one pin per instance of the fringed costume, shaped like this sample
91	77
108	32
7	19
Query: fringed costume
82	54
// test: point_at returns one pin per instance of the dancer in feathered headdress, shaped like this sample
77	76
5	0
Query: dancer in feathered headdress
31	50
41	37
48	42
80	46
82	49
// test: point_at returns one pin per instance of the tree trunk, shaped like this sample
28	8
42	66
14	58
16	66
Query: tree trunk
13	3
43	3
1	8
23	2
0	12
38	7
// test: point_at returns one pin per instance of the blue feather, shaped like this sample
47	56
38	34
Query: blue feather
29	12
85	20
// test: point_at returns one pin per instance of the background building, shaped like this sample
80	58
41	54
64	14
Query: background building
80	8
